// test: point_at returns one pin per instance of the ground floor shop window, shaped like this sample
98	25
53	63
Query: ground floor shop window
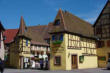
26	63
102	58
81	59
57	60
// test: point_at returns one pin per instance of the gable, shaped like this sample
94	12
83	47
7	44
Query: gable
104	17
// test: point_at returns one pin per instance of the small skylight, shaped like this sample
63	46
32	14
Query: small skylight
57	22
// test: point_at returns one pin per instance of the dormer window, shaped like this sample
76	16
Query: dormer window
57	22
25	29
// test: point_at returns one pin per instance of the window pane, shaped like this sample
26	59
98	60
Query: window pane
53	38
57	22
57	60
61	37
26	42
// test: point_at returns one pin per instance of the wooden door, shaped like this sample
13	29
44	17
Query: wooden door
74	61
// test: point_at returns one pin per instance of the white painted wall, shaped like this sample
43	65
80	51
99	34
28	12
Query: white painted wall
2	51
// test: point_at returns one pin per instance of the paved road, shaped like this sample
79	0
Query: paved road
98	70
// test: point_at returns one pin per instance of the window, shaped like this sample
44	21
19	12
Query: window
108	43
26	42
57	37
25	30
53	37
57	60
102	58
61	37
100	44
108	60
57	22
98	30
48	41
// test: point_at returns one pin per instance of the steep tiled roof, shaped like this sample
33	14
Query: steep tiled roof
73	24
36	37
10	35
103	18
23	29
42	30
39	43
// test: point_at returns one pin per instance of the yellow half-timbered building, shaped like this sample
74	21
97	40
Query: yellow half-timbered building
72	43
20	48
24	46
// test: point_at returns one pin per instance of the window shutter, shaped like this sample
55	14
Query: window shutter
100	44
53	37
108	43
61	37
26	42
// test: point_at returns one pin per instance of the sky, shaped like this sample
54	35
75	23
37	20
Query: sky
42	12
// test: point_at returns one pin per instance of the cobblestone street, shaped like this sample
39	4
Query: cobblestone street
97	70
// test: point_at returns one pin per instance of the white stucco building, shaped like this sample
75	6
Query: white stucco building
2	50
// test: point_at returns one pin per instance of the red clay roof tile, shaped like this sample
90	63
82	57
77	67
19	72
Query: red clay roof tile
10	35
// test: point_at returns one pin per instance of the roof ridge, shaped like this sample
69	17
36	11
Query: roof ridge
36	25
11	29
101	13
63	19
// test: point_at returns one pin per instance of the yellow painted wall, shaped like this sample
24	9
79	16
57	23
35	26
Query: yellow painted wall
25	48
58	51
14	55
16	52
89	61
103	52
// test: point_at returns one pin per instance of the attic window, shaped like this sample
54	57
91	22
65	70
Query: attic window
25	29
57	22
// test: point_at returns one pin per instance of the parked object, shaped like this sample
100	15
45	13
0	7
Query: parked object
108	64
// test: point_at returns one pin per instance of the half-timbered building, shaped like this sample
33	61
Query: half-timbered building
25	44
72	43
102	33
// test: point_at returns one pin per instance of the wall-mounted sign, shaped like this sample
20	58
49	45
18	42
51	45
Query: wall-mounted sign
102	58
81	59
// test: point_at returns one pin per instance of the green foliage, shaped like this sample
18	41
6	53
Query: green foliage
57	42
